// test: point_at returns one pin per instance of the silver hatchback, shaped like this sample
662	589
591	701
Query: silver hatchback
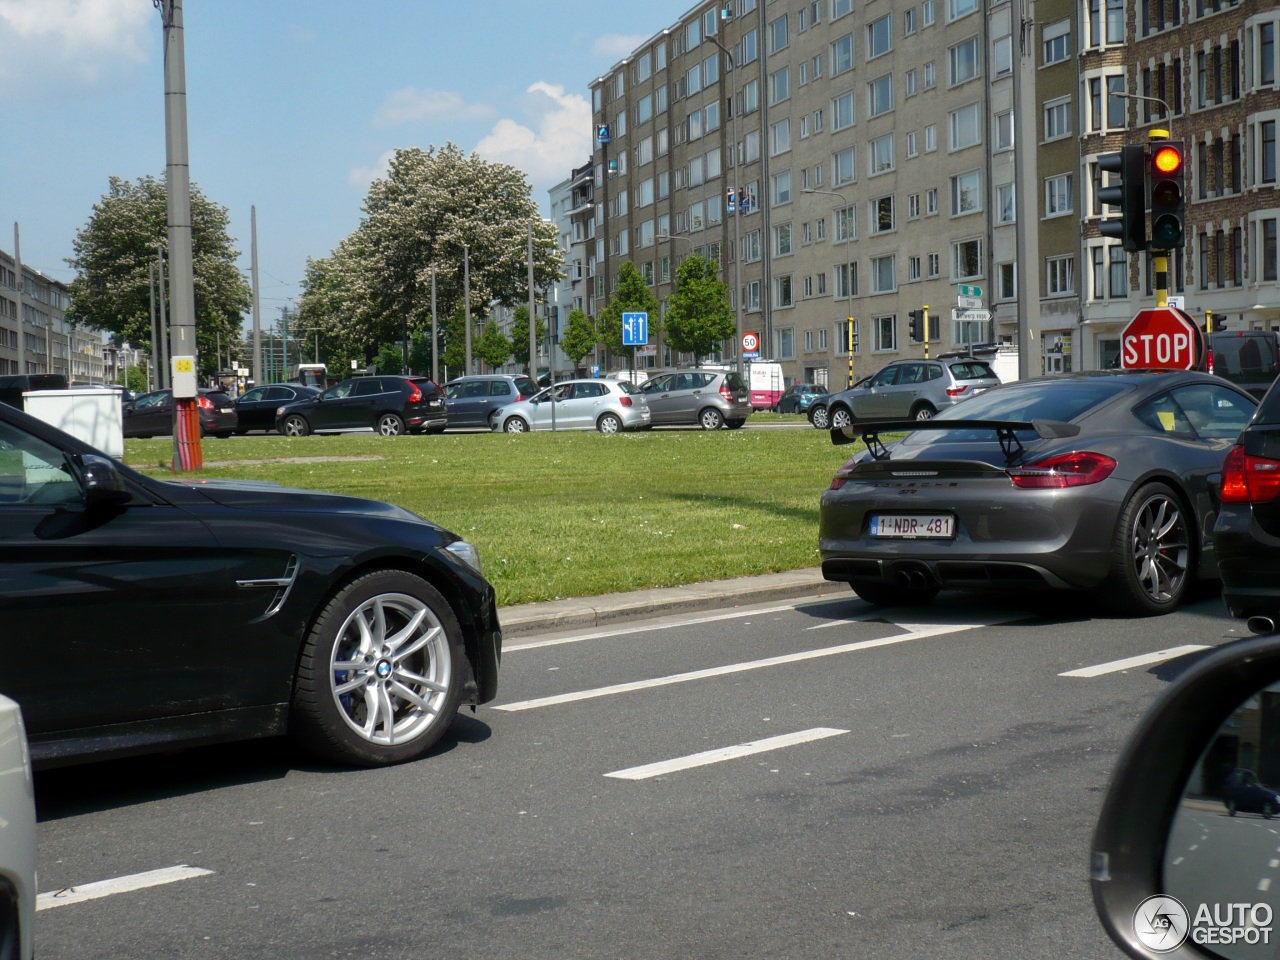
708	398
905	390
609	406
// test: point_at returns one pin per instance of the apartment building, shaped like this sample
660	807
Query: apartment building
48	343
1205	71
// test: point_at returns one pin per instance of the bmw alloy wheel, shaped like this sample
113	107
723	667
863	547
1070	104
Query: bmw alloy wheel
840	417
818	417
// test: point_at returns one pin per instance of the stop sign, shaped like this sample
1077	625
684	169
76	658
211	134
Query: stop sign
1161	338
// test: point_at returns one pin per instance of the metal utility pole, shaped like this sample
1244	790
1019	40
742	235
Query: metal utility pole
257	303
737	227
22	289
162	294
466	300
533	326
435	340
186	430
1027	196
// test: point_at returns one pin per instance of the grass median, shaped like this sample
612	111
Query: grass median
570	514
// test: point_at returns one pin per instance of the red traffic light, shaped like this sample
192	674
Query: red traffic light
1167	160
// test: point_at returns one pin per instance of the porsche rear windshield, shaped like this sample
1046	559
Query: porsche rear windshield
1039	400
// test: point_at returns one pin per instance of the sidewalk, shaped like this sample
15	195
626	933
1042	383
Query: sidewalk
531	618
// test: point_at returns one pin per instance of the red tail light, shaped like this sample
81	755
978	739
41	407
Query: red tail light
1075	469
726	392
415	395
205	403
957	391
1247	479
1209	360
838	482
626	401
519	397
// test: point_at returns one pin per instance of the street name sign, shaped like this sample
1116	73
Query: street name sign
1160	338
968	290
969	303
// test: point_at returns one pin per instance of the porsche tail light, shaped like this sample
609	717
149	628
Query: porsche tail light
1076	469
1248	479
838	482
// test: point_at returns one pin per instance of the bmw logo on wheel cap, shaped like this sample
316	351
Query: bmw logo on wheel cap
383	669
1160	923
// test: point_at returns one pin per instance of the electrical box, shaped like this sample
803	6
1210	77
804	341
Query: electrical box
184	377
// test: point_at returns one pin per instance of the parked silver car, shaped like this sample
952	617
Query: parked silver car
905	390
709	398
17	836
605	405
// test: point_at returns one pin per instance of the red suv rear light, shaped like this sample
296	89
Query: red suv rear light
957	391
205	403
1075	469
1209	359
1247	479
726	392
625	400
415	395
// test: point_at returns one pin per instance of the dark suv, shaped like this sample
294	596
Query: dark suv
1248	358
389	405
470	400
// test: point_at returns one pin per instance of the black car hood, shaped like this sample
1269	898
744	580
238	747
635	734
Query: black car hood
262	494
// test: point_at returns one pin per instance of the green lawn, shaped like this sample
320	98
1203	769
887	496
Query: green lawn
571	514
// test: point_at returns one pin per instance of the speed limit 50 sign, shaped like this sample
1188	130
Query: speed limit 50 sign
751	343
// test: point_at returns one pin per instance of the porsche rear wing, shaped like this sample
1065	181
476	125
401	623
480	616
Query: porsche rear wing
1006	432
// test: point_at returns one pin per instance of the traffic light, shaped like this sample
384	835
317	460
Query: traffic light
915	326
1128	192
1168	195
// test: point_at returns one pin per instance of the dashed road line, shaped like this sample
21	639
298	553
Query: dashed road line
127	884
721	754
1116	666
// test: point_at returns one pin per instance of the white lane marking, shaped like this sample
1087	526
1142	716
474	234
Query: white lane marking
107	888
735	668
1115	666
691	621
1264	884
942	618
724	753
1177	860
1272	864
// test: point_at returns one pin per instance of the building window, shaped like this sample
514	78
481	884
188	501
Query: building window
966	127
845	222
930	75
913	269
780	137
909	21
782	240
780	85
1057	119
966	259
1006	281
960	8
1004	130
934	265
751	246
881	156
880	95
1006	212
1057	41
913	144
1002	56
783	293
843	167
842	112
882	215
782	188
1118	274
966	193
1108	89
913	206
927	15
886	330
913	82
1267	152
884	277
777	34
931	201
1058	195
1060	275
963	61
879	37
931	138
842	55
1267	249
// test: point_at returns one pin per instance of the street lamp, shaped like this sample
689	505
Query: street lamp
848	269
737	246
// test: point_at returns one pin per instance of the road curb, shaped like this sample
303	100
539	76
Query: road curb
532	618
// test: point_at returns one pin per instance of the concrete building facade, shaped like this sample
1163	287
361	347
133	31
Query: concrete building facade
49	343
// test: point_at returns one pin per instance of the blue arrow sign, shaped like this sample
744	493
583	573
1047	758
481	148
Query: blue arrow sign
635	329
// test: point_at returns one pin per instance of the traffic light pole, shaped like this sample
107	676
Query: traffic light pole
850	332
1160	263
925	310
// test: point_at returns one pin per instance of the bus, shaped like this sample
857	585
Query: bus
310	375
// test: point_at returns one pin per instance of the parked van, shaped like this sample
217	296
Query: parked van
1248	358
767	384
13	386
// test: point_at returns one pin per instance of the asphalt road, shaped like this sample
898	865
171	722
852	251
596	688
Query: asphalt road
805	778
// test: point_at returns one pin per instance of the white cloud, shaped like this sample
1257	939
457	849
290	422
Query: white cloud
411	104
615	46
556	139
362	177
71	44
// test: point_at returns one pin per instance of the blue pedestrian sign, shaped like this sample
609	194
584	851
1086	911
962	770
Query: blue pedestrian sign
635	329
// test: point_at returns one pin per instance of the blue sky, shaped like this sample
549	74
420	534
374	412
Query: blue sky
293	106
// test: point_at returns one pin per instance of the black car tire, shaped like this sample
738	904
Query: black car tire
515	425
819	417
888	595
609	424
390	425
1267	810
711	419
923	411
1151	554
295	426
840	417
330	720
1231	808
735	424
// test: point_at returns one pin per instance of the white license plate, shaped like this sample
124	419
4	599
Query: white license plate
914	526
228	410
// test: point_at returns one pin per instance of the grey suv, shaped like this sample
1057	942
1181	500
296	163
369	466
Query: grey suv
709	398
905	389
470	400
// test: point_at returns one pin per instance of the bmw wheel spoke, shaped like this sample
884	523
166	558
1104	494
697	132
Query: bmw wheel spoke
404	676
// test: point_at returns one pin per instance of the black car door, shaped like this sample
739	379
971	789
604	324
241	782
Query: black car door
110	614
254	411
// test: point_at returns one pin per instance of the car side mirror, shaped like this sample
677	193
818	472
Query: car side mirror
1183	855
102	482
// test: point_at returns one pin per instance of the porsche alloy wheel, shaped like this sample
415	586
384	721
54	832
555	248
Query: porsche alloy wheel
1151	553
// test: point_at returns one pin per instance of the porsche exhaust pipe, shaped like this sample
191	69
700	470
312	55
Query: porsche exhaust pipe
912	574
1261	625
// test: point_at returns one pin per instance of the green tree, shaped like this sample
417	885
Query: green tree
117	246
520	336
630	295
431	205
133	378
698	314
493	347
390	358
579	337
